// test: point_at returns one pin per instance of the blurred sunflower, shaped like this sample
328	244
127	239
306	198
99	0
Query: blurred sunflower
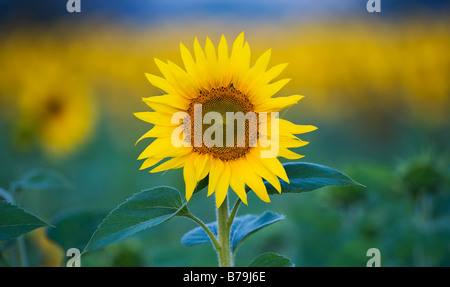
220	83
51	254
55	109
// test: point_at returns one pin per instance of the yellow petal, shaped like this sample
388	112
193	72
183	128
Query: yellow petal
237	47
254	181
293	128
157	131
291	142
164	68
155	118
188	61
200	57
202	65
211	58
157	145
253	76
162	108
150	162
222	185
223	62
201	166
263	61
259	168
260	65
272	73
169	100
237	183
274	165
214	174
288	154
240	67
177	80
189	176
278	104
162	147
160	83
173	163
239	59
259	97
184	80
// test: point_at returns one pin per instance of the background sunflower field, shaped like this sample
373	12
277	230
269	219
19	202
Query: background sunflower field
377	86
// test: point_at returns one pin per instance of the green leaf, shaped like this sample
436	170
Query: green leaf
14	221
41	179
243	226
305	176
141	211
4	195
73	228
271	260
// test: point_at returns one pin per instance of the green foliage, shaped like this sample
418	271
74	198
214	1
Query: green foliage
4	195
271	260
304	176
14	221
143	210
423	174
243	226
41	179
154	206
73	228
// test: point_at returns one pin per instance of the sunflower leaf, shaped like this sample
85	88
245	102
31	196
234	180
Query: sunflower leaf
73	228
4	195
271	260
143	210
14	221
41	179
304	176
243	226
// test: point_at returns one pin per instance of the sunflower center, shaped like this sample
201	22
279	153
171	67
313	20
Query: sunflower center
54	106
232	133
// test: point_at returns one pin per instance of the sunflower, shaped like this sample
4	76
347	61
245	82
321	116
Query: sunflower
220	83
56	110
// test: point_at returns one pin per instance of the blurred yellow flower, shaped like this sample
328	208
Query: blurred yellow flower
56	109
45	92
221	84
51	253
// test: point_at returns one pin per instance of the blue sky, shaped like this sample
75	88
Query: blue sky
147	11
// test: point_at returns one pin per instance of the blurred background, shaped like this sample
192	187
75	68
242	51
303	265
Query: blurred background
377	86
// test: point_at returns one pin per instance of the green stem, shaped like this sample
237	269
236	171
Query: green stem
202	225
223	229
230	223
22	252
234	211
